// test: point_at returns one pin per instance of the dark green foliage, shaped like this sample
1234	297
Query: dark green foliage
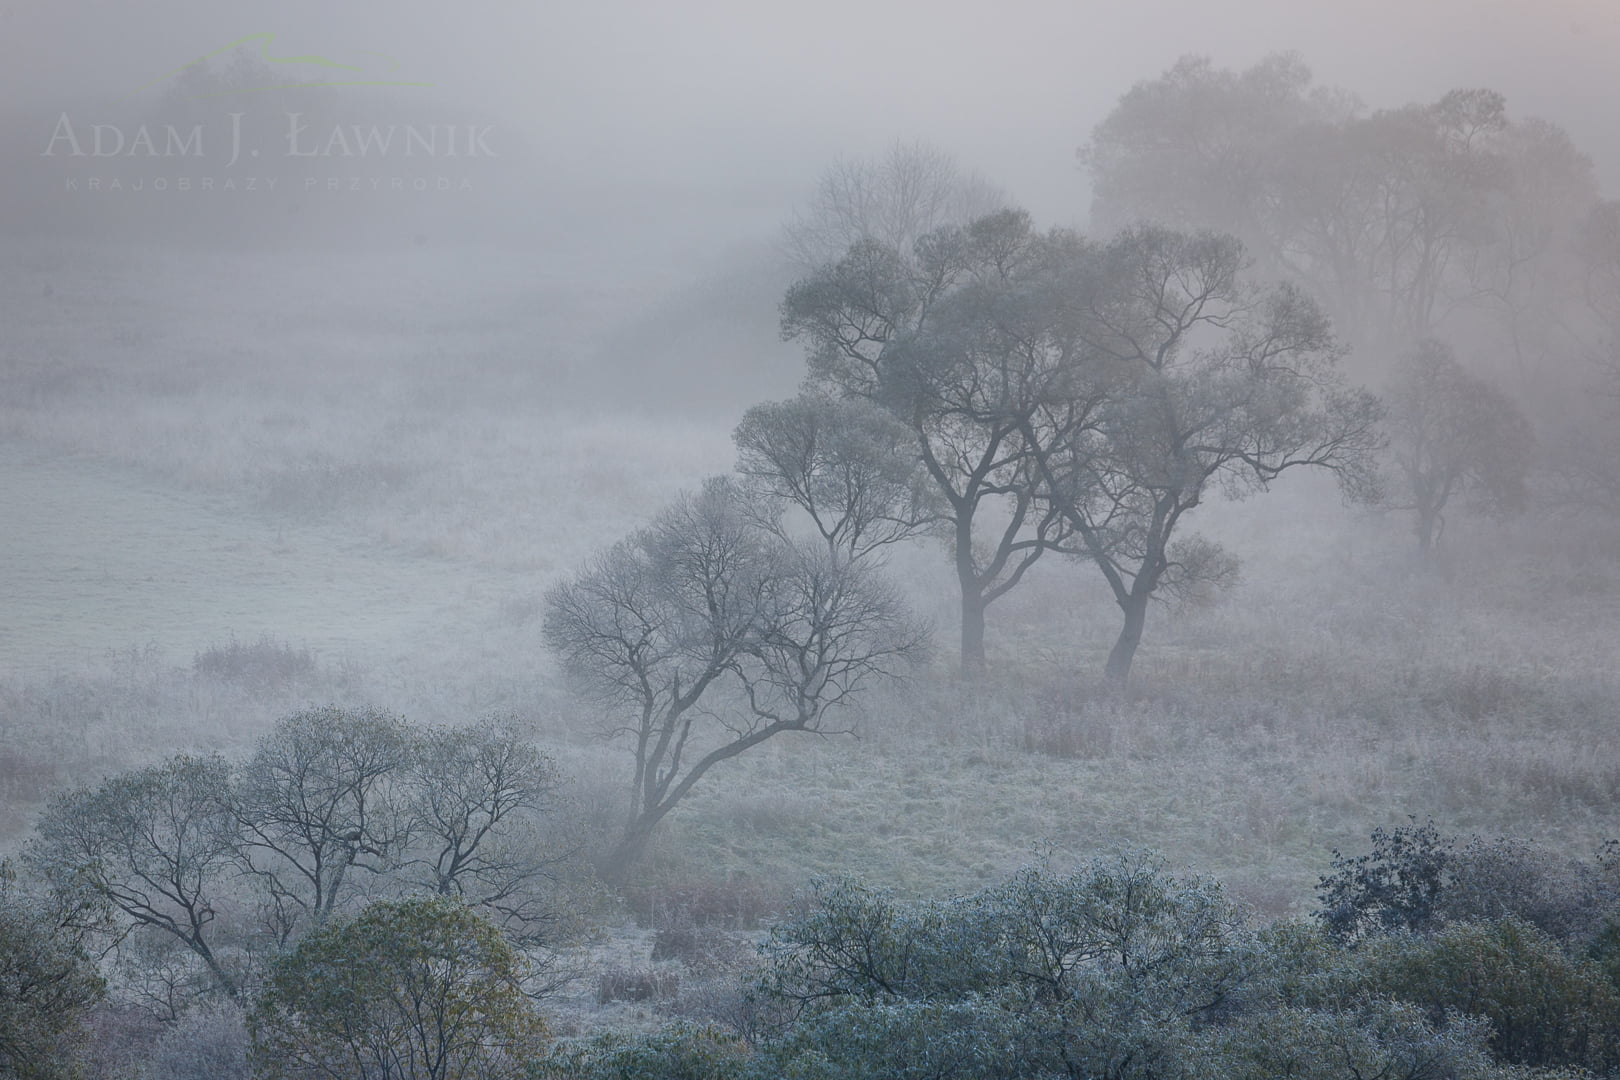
1544	1007
1415	880
900	1040
1119	970
47	985
1395	886
1374	1038
414	988
1565	898
1104	971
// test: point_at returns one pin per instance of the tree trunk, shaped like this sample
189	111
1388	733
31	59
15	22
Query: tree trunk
1425	529
973	661
967	577
1124	651
626	853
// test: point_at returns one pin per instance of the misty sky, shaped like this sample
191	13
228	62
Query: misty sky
740	96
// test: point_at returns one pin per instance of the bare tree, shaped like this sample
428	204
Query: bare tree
847	464
158	844
474	795
892	200
1211	382
315	803
711	635
1454	434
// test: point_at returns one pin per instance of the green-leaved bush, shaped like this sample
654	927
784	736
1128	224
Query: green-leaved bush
412	988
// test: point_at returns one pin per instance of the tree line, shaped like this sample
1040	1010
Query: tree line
196	870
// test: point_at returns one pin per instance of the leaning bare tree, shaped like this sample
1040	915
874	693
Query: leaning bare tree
707	635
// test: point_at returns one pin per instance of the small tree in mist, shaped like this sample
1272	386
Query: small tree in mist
476	798
892	200
708	634
1398	220
335	806
1583	453
1452	434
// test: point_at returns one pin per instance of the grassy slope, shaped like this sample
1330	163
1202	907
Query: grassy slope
194	448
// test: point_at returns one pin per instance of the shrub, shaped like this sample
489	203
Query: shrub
636	984
421	987
1492	879
737	903
1396	886
1544	1007
677	1052
700	948
1104	970
263	665
208	1044
1414	880
1376	1037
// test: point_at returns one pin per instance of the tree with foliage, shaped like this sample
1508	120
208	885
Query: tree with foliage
158	845
708	634
419	989
1214	384
1583	452
1369	1037
679	1051
1454	434
1394	887
47	985
315	804
869	323
1396	220
1199	147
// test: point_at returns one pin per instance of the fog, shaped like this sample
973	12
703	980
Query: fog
736	446
718	114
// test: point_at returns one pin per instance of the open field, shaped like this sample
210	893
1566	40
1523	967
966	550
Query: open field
393	480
